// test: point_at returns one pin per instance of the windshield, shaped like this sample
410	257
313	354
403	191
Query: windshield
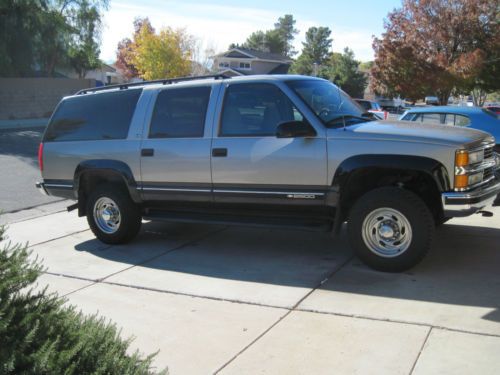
328	102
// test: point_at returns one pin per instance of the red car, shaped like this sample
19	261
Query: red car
493	108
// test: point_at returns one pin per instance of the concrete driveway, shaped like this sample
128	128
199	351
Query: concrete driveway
245	301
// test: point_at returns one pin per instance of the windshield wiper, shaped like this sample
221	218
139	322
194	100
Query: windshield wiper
345	119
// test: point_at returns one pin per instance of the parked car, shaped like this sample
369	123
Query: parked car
390	104
471	117
431	100
273	150
373	107
493	108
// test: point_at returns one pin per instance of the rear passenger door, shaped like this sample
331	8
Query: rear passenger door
175	152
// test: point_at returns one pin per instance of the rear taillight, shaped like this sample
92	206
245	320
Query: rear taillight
386	114
40	156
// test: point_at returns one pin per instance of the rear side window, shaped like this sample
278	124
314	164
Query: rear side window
461	120
98	116
180	113
430	118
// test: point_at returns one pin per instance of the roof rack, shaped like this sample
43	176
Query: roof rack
166	81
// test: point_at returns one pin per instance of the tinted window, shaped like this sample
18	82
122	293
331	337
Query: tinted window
255	109
104	115
180	113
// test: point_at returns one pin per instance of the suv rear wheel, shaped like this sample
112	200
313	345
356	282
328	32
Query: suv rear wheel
112	215
390	229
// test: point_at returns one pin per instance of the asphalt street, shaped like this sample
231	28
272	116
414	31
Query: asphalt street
19	170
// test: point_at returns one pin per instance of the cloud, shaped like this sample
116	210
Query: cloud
215	26
360	41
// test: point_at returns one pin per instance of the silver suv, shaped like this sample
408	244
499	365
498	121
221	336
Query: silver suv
287	151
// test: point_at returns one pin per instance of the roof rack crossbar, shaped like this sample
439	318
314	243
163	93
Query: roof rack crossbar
166	81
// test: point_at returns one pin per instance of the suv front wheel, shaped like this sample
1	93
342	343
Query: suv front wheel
112	215
390	229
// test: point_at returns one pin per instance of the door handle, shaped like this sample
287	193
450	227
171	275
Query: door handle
219	152
147	152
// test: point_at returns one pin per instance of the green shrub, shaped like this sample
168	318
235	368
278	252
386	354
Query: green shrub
38	335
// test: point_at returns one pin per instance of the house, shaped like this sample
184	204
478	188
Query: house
104	75
242	61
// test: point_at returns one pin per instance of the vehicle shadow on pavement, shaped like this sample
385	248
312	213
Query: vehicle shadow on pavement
280	257
462	269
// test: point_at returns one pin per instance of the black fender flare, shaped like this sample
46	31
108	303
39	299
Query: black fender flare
384	162
429	166
115	167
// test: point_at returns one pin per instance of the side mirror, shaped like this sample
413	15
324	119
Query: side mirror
295	129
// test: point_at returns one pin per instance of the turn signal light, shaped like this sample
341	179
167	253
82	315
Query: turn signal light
461	181
461	159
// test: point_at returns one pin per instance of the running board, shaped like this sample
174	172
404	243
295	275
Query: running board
308	224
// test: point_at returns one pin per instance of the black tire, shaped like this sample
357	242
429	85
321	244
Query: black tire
129	214
418	237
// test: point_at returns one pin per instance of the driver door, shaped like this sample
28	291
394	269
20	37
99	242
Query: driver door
250	164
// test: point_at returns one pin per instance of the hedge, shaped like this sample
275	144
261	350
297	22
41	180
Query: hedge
40	334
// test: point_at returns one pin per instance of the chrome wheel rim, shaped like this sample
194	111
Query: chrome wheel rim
107	215
387	232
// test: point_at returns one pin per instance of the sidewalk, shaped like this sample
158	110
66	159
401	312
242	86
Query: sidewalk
233	300
23	123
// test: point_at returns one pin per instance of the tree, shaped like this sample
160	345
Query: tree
316	51
436	47
285	28
19	24
163	55
69	34
126	49
257	41
278	40
343	70
84	48
46	34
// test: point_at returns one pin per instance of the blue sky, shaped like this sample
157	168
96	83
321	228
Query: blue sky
218	23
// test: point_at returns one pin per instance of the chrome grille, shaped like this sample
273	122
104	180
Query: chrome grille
488	174
488	152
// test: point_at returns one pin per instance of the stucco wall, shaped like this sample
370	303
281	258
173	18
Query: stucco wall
22	98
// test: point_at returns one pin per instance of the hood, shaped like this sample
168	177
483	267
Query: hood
414	132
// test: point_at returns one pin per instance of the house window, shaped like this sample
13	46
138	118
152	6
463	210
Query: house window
223	64
244	65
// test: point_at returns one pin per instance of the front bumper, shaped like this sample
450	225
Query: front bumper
466	203
41	188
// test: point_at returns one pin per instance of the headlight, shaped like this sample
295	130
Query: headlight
464	158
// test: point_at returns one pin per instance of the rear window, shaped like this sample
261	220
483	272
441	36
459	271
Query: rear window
93	116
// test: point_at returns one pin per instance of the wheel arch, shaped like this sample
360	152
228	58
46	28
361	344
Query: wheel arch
90	173
359	174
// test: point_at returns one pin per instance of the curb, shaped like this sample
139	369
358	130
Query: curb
22	124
